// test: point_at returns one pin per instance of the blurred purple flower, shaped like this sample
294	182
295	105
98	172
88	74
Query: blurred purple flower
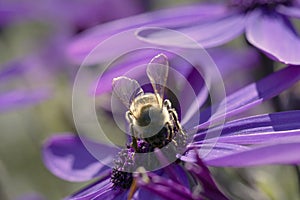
257	140
266	23
209	24
77	14
63	19
20	98
82	44
17	98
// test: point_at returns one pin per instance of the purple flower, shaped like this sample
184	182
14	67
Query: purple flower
82	44
256	140
66	156
63	19
266	24
18	97
77	14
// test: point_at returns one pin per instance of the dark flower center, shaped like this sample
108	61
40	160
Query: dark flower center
246	5
121	177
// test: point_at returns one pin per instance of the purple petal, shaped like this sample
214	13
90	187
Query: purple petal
92	12
235	64
101	189
228	60
277	153
189	105
274	35
110	194
254	94
66	157
21	98
263	128
164	187
174	17
209	151
210	34
202	173
256	129
175	173
289	11
145	194
11	11
181	175
73	13
260	137
12	69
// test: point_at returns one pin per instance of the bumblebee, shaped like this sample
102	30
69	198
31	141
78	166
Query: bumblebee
151	117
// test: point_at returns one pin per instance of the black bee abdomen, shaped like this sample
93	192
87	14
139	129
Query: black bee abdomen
160	139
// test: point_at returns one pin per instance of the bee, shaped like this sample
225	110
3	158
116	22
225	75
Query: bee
151	117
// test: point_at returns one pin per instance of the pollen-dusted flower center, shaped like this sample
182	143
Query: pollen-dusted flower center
121	179
247	5
121	176
126	161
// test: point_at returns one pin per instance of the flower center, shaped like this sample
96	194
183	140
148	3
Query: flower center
246	5
121	177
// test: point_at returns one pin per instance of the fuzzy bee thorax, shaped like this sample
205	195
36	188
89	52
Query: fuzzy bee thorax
149	116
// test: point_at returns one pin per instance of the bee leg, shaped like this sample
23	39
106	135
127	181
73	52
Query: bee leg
168	104
174	116
133	138
170	131
133	134
176	144
129	117
173	113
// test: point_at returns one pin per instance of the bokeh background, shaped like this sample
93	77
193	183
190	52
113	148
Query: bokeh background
33	38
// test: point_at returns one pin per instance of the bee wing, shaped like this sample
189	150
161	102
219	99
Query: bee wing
126	89
157	71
